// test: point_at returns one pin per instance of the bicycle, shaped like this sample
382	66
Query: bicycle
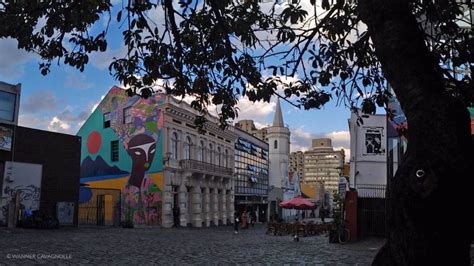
343	234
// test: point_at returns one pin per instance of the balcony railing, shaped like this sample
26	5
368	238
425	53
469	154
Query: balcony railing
205	168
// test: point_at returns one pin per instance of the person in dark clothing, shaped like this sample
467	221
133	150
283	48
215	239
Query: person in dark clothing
236	222
322	213
176	216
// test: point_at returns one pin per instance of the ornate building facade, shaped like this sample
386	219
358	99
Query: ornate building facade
149	149
198	177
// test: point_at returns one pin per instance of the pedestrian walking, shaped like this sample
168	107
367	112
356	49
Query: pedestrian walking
236	223
244	220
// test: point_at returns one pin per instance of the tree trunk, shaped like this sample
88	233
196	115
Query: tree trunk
428	218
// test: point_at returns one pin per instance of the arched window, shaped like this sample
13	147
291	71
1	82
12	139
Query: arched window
200	152
218	156
187	148
226	157
174	146
275	144
211	161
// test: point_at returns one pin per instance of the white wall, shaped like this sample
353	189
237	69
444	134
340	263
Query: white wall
279	157
368	150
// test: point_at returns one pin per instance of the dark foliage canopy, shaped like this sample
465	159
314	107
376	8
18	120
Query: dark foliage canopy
219	50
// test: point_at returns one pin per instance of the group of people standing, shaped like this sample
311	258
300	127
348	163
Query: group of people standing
243	221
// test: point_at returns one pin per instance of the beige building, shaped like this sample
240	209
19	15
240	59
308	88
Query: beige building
323	165
198	176
248	126
296	163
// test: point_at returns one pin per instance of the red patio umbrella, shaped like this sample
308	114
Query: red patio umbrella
298	203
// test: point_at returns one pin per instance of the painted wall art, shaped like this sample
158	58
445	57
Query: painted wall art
6	136
23	178
137	124
374	143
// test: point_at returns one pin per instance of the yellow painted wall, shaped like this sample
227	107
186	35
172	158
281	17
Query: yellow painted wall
346	170
309	190
121	184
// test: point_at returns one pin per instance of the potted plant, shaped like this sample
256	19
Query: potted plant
128	222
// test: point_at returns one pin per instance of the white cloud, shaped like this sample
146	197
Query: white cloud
39	101
259	125
12	64
33	121
57	125
67	121
257	111
102	60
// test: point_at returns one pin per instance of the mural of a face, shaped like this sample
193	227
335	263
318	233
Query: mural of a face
141	149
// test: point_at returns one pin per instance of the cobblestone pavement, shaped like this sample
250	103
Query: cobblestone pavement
107	245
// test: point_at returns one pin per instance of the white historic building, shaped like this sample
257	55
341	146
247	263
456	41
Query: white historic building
368	151
198	175
279	149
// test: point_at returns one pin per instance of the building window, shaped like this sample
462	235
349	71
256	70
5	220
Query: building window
106	120
218	156
114	148
127	115
211	161
187	148
200	154
7	106
275	144
174	146
226	157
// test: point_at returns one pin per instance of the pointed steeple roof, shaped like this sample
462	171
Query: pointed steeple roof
278	118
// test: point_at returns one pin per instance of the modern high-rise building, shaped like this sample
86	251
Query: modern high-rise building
297	163
251	175
323	165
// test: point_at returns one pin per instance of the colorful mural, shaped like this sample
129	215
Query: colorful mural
398	124
137	124
6	138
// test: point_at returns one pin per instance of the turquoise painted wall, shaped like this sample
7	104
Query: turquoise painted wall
147	119
96	123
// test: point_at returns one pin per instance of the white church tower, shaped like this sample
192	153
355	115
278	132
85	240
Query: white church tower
279	150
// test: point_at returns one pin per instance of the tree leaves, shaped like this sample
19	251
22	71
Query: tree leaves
222	49
294	14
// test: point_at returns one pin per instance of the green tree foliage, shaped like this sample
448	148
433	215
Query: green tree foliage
218	50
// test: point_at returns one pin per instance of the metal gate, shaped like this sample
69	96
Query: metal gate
103	208
371	214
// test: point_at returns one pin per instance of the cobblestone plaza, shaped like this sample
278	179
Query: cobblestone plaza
216	245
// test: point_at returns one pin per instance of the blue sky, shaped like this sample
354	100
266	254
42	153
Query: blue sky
62	100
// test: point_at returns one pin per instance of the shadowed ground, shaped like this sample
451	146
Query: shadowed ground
178	246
